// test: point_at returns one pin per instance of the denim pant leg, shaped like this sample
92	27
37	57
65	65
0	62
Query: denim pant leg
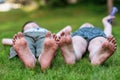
30	43
39	46
12	53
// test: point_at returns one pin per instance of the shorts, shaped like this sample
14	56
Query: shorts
88	33
35	42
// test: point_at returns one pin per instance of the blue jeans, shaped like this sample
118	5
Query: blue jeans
88	33
35	41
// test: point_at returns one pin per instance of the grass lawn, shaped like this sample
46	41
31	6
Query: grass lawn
54	20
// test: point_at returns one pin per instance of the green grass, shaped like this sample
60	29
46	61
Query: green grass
54	20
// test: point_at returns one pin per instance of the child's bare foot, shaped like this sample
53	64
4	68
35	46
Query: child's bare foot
65	44
106	50
48	51
23	51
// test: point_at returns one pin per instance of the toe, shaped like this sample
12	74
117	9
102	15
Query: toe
21	34
48	34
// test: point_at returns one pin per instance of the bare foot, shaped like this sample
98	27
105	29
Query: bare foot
23	51
48	51
107	49
65	44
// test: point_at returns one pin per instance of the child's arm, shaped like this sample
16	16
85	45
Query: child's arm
7	41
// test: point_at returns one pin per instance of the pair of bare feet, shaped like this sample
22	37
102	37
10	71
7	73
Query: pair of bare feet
49	49
103	53
51	43
21	47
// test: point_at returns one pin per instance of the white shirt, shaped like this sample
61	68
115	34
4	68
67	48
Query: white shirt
36	30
